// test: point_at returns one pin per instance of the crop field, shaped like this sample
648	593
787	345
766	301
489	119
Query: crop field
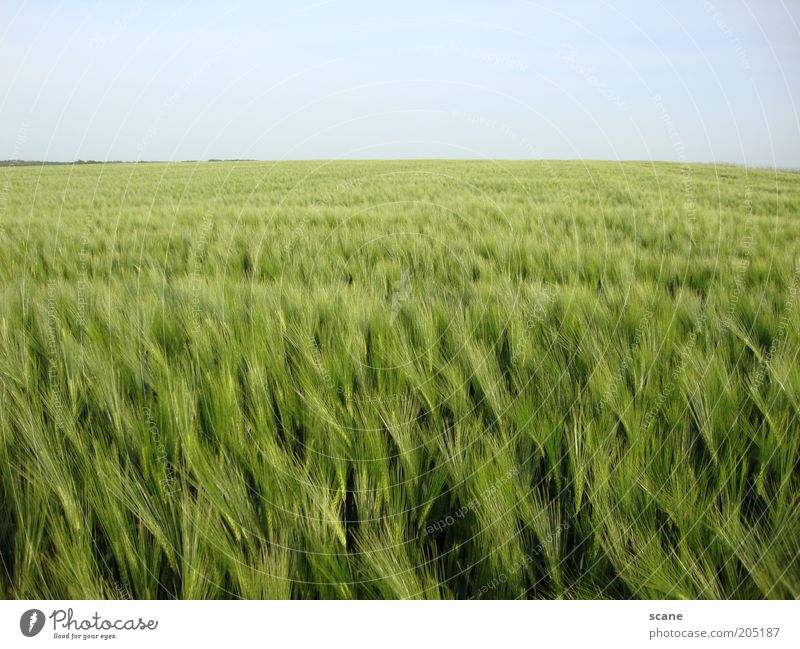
399	379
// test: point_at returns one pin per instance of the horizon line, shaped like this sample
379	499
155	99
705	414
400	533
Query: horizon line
19	162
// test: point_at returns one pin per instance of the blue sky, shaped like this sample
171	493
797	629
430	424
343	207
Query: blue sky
696	81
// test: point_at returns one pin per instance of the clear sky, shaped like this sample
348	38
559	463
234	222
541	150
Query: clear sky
173	80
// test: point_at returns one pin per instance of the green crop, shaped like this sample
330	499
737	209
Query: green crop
399	380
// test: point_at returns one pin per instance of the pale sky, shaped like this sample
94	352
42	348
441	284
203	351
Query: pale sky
683	80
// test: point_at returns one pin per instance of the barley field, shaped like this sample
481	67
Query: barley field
399	379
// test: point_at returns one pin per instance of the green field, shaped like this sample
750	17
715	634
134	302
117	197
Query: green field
399	379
